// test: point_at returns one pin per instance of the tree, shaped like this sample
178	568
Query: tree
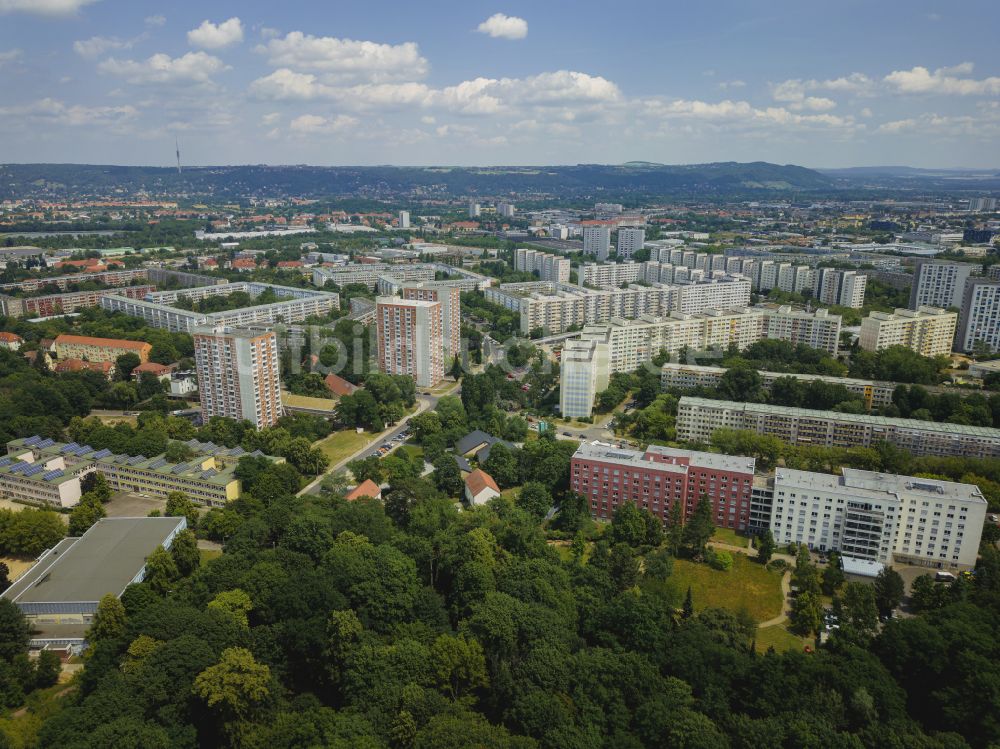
623	566
765	547
859	610
628	525
13	631
675	528
833	575
889	590
699	527
459	665
367	469
109	620
448	476
502	466
807	613
124	365
687	611
96	484
178	505
456	368
235	604
184	551
85	514
534	497
236	684
47	669
743	384
161	570
927	595
178	452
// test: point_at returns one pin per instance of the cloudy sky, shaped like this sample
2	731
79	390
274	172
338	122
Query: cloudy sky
857	82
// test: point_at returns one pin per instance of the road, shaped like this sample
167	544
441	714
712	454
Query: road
426	401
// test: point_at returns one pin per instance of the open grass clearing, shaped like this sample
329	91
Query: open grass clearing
746	586
341	445
729	536
778	637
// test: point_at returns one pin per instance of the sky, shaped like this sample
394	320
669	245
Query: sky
852	83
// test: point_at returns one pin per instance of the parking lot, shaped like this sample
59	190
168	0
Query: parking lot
126	505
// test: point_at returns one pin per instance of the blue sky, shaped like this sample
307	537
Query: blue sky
819	84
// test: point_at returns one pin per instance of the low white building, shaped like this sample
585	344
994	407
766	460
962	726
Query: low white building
480	488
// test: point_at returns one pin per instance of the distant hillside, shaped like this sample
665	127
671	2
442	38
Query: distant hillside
593	180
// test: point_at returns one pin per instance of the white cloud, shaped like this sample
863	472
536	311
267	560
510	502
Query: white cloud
270	118
920	80
44	7
154	21
346	58
284	84
795	92
193	67
742	115
216	36
929	123
53	111
91	49
9	56
724	85
500	26
310	124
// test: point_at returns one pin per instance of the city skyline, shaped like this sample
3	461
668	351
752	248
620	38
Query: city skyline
102	81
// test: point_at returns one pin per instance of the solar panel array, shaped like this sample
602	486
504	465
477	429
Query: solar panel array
34	469
158	463
102	453
57	473
179	468
19	467
46	443
137	460
33	440
6	461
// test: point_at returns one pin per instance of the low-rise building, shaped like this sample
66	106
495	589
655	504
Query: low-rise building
480	488
60	593
92	349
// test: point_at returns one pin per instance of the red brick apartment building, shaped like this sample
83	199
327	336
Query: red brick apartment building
608	477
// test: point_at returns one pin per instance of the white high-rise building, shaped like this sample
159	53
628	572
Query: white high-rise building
879	517
474	210
404	219
597	241
238	374
506	210
845	288
982	205
549	267
929	331
410	338
630	241
583	373
938	283
979	323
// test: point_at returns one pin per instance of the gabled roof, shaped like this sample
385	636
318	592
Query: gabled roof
476	438
479	480
86	340
338	385
366	488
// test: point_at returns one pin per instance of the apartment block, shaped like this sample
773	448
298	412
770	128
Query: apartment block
110	277
845	288
879	517
690	376
698	418
630	241
369	273
410	339
657	479
979	322
937	283
930	331
296	305
597	241
70	301
610	275
556	307
92	349
583	373
449	296
548	267
238	374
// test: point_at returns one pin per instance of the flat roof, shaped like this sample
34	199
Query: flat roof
637	459
103	560
877	421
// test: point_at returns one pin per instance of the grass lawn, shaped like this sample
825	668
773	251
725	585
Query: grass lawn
304	401
729	536
747	586
413	451
782	640
207	555
341	445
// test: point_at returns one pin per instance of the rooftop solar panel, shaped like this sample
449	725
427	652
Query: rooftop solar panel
84	449
137	460
19	467
57	473
6	461
102	453
70	446
46	443
179	468
209	473
34	470
33	440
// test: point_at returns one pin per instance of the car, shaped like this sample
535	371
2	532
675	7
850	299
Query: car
567	434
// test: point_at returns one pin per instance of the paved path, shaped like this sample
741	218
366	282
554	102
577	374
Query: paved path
786	589
425	402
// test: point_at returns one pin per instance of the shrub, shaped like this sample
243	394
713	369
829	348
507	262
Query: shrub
721	560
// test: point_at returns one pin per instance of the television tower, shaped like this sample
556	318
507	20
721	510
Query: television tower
177	147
